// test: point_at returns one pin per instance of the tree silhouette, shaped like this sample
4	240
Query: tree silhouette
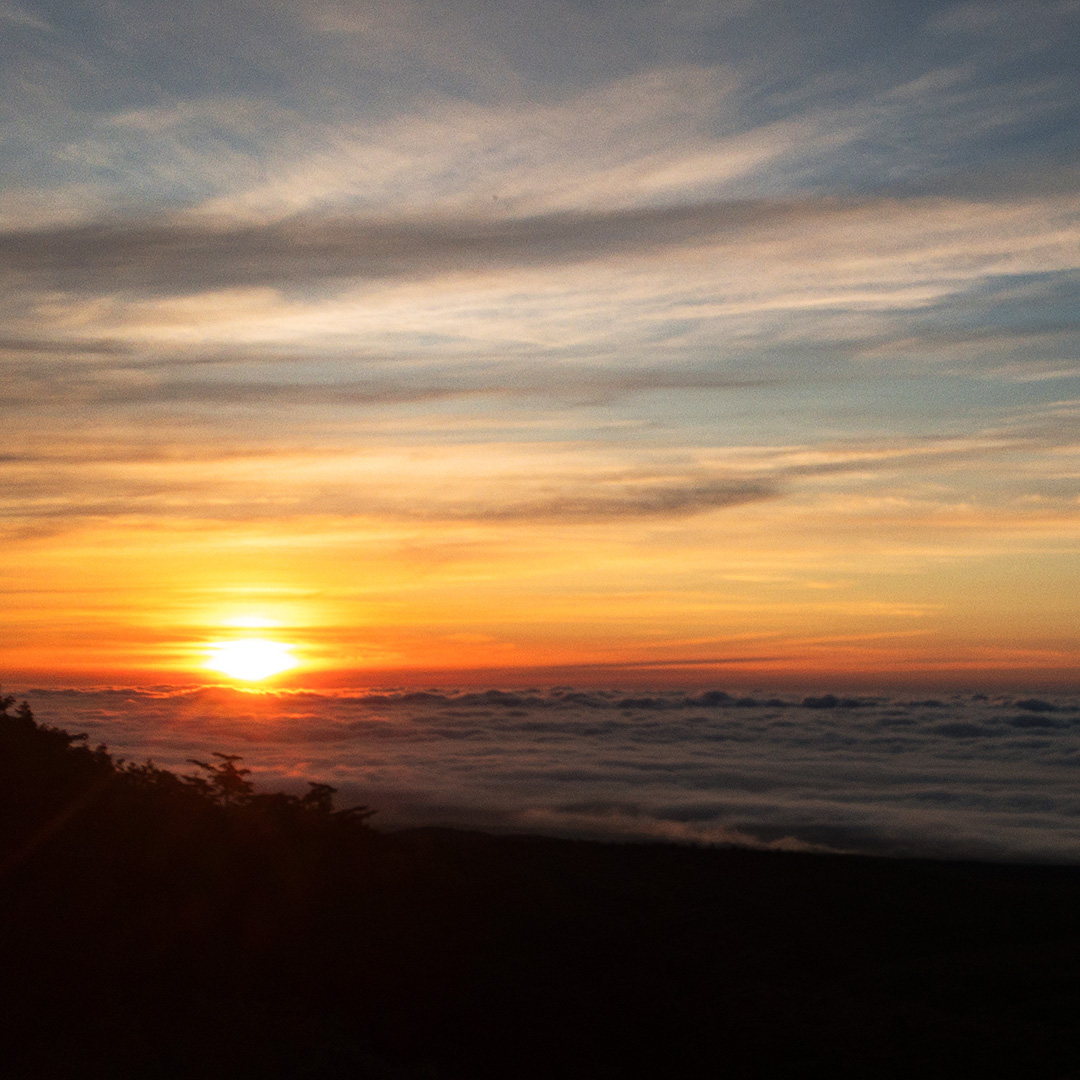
227	784
320	798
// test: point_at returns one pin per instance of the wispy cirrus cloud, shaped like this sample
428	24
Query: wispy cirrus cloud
346	107
18	16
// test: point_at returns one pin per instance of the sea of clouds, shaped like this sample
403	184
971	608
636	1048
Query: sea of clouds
970	776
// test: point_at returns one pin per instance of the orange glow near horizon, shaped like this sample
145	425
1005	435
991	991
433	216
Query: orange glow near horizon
765	596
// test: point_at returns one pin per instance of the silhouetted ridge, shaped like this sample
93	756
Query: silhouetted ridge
156	925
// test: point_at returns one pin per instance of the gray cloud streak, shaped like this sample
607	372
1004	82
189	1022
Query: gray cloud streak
36	387
45	488
670	500
170	258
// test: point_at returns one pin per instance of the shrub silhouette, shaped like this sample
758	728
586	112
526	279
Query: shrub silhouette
167	898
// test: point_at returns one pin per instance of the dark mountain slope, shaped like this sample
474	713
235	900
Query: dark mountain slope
163	926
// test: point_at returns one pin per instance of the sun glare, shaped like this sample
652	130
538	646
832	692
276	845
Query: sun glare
250	622
251	659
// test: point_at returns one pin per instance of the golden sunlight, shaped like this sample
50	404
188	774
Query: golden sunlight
251	659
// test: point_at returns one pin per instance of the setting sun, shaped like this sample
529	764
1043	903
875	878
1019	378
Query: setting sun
251	659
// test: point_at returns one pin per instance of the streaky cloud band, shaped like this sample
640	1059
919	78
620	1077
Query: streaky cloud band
179	256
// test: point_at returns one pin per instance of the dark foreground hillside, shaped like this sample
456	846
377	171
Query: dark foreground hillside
159	926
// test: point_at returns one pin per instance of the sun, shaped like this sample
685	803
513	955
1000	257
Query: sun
251	659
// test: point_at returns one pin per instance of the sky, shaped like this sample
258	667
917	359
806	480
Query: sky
603	342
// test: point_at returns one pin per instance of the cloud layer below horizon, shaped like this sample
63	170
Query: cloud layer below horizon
963	776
